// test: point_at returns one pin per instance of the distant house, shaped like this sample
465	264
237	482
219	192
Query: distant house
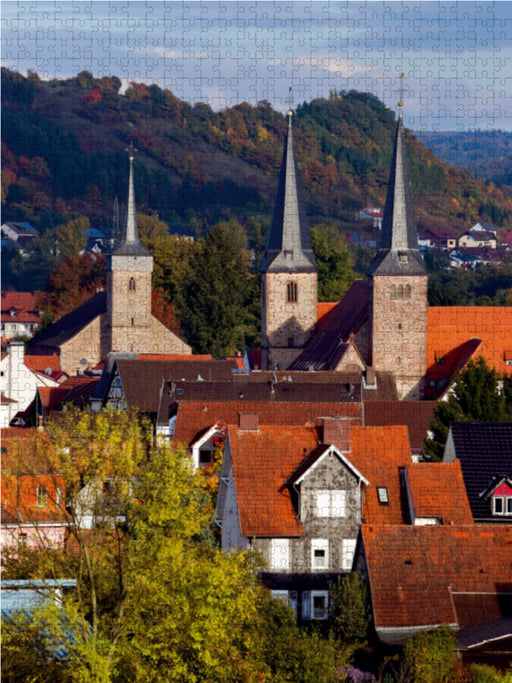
372	215
484	226
484	451
477	238
20	315
23	233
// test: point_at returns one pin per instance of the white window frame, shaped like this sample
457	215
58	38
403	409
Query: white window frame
288	597
325	612
495	499
41	496
348	549
280	553
318	545
331	502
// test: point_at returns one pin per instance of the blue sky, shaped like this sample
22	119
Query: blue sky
456	56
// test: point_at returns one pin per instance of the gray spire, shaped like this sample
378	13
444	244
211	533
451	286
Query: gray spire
130	244
289	244
398	245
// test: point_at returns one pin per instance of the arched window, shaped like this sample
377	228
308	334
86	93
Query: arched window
131	285
291	292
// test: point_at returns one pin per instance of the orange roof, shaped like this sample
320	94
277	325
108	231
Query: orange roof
379	453
323	309
438	490
40	363
173	356
195	417
25	305
414	570
262	461
449	327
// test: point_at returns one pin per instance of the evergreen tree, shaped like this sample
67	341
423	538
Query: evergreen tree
478	395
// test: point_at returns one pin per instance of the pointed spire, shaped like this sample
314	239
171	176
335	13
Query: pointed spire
130	243
398	245
289	246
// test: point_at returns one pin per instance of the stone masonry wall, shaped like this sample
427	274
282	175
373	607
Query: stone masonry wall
399	331
287	326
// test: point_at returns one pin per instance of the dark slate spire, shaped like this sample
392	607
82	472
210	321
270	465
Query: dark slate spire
398	245
289	244
130	244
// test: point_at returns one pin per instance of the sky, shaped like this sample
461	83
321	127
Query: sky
456	57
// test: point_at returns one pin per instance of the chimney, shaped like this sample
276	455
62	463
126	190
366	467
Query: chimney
336	432
248	422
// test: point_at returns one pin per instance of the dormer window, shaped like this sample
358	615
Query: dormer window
500	498
403	258
291	292
41	497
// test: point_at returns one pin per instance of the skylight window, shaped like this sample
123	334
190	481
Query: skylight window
382	494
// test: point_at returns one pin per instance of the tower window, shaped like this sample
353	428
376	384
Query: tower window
400	292
133	322
131	284
291	292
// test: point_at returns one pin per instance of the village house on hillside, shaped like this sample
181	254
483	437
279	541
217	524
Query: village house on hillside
20	315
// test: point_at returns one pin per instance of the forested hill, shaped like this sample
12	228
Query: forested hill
63	146
485	153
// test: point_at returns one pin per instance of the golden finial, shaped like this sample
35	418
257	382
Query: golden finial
401	103
131	151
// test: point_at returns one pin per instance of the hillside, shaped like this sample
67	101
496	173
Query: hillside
63	156
486	154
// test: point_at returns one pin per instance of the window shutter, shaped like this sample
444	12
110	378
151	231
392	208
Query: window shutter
306	605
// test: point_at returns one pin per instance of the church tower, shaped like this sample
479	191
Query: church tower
398	305
130	266
289	272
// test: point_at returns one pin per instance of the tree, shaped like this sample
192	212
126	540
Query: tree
72	236
154	600
334	261
429	655
350	613
71	283
478	395
219	307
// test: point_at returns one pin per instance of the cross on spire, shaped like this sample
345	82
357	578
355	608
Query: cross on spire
131	150
401	103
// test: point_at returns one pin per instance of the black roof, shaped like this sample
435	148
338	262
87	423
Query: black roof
70	324
485	453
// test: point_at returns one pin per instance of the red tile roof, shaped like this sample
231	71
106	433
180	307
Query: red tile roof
379	453
437	490
173	356
40	363
195	417
449	327
25	305
414	570
415	414
262	461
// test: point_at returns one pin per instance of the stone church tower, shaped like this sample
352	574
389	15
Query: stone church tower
398	303
289	272
128	320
